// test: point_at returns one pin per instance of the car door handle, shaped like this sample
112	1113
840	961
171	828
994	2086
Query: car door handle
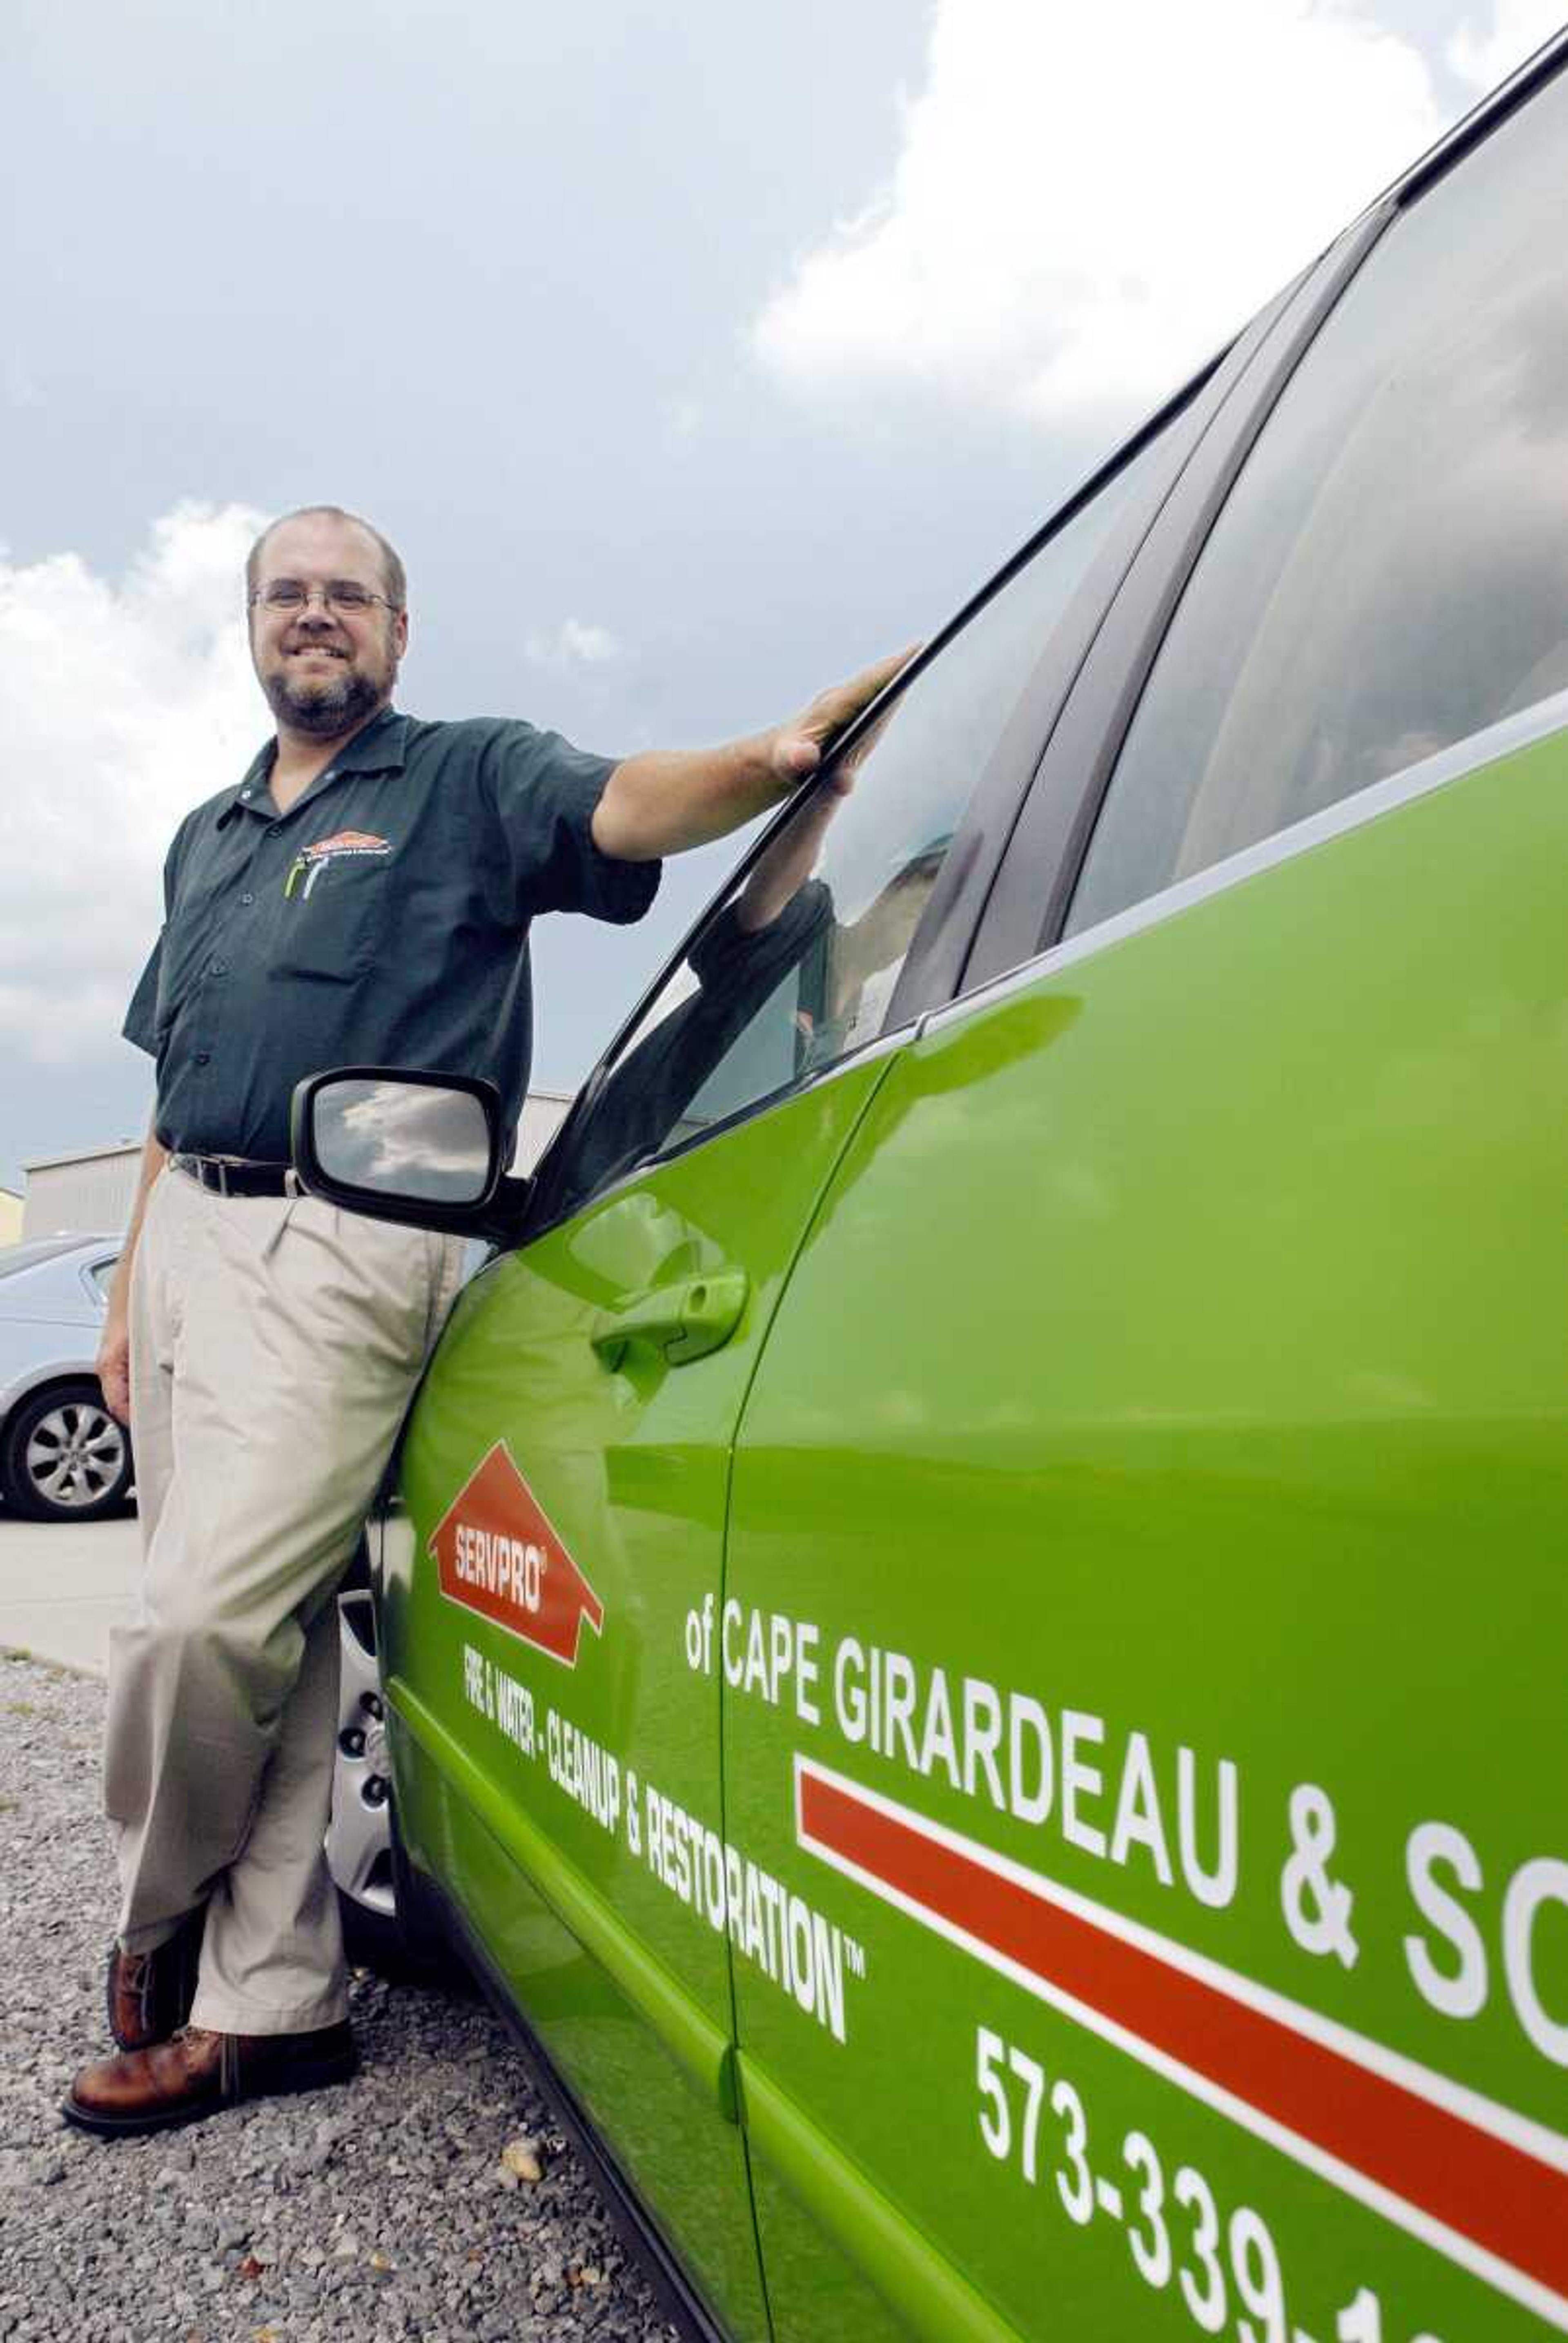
685	1320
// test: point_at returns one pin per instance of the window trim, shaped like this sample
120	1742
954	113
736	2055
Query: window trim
983	922
935	968
1484	117
880	1044
1476	752
1057	823
1035	885
934	963
979	844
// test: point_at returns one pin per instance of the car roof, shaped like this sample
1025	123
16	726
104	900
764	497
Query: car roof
14	1259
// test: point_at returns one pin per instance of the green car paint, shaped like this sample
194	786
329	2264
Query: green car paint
1026	1433
698	2046
1250	1649
982	1644
611	1360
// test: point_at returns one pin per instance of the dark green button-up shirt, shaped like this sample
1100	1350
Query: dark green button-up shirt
382	920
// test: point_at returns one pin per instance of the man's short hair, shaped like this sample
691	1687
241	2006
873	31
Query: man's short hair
393	576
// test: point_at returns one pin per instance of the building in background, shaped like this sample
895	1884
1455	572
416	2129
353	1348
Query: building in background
544	1111
11	1211
84	1193
94	1189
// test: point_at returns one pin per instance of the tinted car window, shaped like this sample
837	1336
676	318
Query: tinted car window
798	967
1391	573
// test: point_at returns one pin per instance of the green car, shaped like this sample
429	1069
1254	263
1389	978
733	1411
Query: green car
976	1638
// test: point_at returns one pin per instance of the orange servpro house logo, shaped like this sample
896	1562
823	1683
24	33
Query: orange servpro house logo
496	1553
344	846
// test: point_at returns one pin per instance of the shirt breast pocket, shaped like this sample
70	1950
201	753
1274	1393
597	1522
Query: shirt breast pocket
334	922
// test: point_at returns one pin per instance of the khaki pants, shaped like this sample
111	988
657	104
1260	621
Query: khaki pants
275	1344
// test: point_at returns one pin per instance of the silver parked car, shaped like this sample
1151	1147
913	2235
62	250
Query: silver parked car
63	1457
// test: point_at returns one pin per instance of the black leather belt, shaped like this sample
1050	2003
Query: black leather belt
236	1175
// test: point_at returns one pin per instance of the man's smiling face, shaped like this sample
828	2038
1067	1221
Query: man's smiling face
325	669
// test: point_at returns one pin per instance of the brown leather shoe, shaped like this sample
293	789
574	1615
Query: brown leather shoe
150	1994
196	2072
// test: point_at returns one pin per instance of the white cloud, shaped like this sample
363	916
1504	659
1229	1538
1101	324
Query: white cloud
575	643
1486	49
22	388
684	417
1087	202
122	704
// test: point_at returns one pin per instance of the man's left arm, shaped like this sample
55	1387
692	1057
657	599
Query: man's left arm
663	801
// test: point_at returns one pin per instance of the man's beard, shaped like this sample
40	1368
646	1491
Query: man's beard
321	709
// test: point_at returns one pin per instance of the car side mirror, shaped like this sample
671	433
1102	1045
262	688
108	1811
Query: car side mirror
396	1144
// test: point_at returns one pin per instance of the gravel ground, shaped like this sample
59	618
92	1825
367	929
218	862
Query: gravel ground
377	2209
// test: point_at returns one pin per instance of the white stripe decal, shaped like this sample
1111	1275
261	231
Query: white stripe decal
1484	2116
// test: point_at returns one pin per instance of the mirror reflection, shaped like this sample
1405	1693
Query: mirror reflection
784	981
404	1139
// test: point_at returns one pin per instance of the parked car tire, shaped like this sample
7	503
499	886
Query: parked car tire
64	1457
376	1897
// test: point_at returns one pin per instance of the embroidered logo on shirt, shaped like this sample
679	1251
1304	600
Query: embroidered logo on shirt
343	846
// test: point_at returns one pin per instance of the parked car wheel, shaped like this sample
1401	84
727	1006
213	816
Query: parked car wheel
381	1923
359	1834
63	1457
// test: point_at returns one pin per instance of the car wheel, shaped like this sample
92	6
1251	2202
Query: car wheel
63	1457
381	1930
359	1834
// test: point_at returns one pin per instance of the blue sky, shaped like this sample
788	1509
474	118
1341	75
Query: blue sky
692	357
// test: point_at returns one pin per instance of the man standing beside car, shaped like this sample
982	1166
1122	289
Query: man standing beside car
363	896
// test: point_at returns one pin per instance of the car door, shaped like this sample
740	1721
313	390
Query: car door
550	1614
1156	1464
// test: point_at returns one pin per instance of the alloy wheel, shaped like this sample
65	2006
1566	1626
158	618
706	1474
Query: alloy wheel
75	1455
359	1835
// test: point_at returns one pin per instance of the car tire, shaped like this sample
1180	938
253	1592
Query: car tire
383	1927
64	1457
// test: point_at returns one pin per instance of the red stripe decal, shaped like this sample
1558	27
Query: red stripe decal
1503	2199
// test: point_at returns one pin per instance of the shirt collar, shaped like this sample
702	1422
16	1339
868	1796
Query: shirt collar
379	746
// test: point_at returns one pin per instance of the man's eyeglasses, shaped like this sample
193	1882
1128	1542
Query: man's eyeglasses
339	594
